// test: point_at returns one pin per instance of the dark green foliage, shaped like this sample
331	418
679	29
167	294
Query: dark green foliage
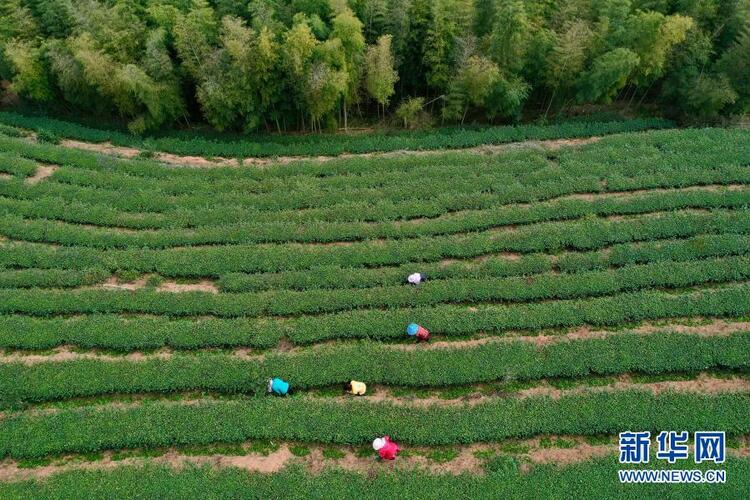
323	367
90	429
588	479
280	66
459	291
48	136
262	146
444	320
633	227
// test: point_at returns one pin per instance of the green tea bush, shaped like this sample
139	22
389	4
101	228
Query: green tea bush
133	333
45	135
326	232
662	352
588	479
16	165
334	144
288	303
586	234
89	429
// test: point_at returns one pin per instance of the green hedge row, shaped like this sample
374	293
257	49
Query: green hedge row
218	260
20	228
305	198
95	428
15	165
306	195
50	278
452	320
525	167
676	150
333	144
286	302
375	363
70	203
137	333
354	173
333	277
336	172
591	479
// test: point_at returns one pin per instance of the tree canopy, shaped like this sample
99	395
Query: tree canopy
309	64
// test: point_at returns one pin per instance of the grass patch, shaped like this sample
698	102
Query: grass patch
600	440
299	450
514	447
442	455
213	449
265	448
333	453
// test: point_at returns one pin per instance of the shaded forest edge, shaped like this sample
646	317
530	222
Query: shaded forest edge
313	65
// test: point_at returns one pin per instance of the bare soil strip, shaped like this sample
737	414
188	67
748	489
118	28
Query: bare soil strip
592	196
42	172
710	328
201	162
113	283
102	147
202	286
468	459
703	384
494	231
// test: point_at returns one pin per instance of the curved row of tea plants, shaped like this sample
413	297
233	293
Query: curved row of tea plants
335	144
158	423
128	333
333	365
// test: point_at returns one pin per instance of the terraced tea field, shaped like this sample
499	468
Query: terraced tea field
579	287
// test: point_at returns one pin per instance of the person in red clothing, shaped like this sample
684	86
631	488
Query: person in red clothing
421	333
386	448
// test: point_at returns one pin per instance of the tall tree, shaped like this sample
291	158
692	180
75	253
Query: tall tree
348	29
380	74
608	74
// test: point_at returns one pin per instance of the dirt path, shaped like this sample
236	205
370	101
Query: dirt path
67	353
494	231
468	459
114	283
201	286
201	162
703	384
709	328
42	172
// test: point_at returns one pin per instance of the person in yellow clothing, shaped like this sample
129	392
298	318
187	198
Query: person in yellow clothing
356	388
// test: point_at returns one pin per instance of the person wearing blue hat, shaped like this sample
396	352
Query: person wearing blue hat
420	332
278	387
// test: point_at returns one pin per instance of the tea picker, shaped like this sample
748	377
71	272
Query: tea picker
420	332
278	387
356	388
386	448
416	278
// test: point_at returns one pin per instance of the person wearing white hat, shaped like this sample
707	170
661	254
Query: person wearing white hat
386	448
416	278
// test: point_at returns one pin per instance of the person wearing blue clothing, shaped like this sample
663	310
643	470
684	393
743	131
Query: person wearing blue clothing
278	387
